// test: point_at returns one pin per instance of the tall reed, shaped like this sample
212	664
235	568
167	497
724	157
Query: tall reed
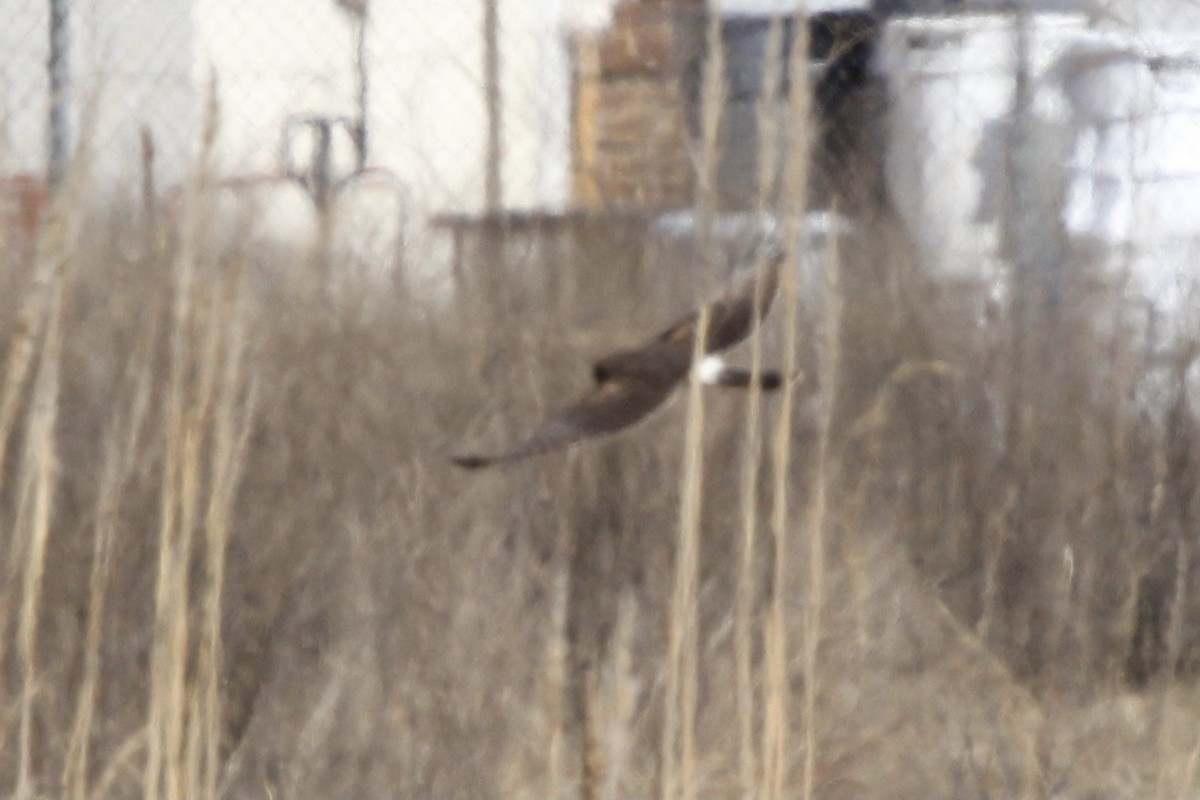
679	768
776	648
767	116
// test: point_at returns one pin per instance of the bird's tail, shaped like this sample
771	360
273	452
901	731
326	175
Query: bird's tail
736	378
474	462
713	371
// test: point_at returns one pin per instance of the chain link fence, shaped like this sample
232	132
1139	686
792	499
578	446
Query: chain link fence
1014	194
1022	147
1039	150
318	89
490	104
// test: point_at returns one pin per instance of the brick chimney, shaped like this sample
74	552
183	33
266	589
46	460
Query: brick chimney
630	146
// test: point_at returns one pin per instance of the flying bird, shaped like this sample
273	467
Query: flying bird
629	384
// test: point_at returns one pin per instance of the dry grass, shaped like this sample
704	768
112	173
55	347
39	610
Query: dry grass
240	564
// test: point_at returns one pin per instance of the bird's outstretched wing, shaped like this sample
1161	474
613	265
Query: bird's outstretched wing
731	316
632	383
612	406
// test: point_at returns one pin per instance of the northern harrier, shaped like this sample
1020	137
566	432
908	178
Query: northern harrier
632	383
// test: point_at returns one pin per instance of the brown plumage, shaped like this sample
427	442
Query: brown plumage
632	383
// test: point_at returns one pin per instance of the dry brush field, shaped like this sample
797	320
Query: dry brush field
955	562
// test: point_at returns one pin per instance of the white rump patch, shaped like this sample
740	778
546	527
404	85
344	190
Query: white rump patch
709	369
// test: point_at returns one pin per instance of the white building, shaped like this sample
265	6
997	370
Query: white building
272	59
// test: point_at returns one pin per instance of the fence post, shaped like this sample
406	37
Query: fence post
493	188
360	62
58	129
